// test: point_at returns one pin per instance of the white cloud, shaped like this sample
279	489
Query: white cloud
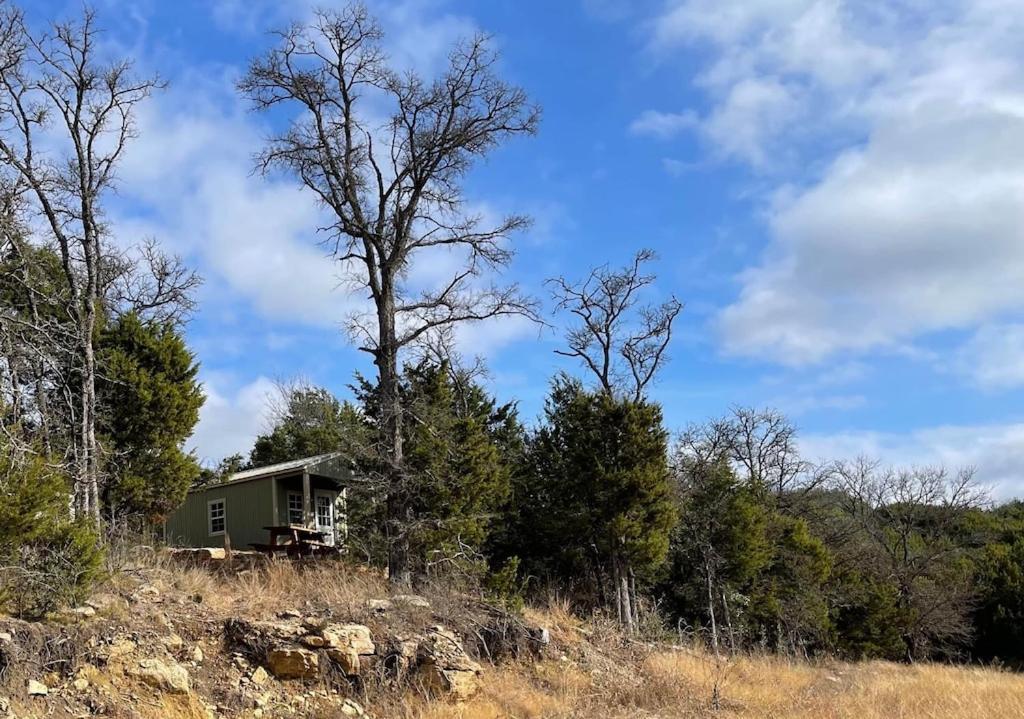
995	451
191	174
418	33
663	125
485	339
994	357
915	115
231	418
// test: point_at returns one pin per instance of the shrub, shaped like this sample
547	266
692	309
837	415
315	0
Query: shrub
46	559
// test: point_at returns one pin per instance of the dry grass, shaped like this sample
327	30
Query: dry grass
681	684
269	587
591	672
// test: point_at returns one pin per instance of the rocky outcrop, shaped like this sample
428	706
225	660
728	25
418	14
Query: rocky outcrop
292	649
445	668
254	634
351	708
298	649
349	646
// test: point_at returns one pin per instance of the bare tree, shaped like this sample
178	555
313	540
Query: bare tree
157	286
761	444
620	343
386	152
66	117
909	517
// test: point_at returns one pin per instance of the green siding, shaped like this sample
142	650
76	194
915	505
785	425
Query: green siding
249	508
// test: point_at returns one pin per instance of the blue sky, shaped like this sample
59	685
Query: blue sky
834	188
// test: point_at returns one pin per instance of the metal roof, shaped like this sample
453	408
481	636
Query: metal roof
332	464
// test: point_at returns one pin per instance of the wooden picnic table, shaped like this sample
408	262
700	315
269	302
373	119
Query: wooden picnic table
299	541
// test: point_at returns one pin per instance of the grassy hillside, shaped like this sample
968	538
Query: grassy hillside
156	610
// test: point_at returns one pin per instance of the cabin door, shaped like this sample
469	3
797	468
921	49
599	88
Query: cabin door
325	514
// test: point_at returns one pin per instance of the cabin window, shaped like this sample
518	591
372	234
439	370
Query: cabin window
217	516
296	509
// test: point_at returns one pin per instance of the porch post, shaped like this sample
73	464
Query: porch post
307	500
276	519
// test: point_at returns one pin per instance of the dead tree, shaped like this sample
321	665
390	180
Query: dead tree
621	344
66	117
386	152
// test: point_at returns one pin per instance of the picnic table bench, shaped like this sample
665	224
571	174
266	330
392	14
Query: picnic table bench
298	541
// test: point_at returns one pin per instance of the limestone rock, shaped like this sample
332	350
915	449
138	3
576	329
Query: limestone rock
105	602
452	683
444	666
174	643
170	677
197	655
293	663
259	676
315	624
350	708
254	633
80	684
314	641
37	689
346	659
354	636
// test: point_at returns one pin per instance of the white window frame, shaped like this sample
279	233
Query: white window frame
301	509
223	516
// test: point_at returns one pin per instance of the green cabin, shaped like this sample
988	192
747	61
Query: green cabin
308	492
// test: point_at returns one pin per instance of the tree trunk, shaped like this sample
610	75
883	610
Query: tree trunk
728	622
633	603
624	607
89	477
399	570
599	573
711	609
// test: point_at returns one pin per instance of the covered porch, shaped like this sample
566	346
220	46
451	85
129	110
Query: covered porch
310	494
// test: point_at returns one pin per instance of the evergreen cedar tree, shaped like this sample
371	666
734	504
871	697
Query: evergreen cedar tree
149	397
596	492
313	422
